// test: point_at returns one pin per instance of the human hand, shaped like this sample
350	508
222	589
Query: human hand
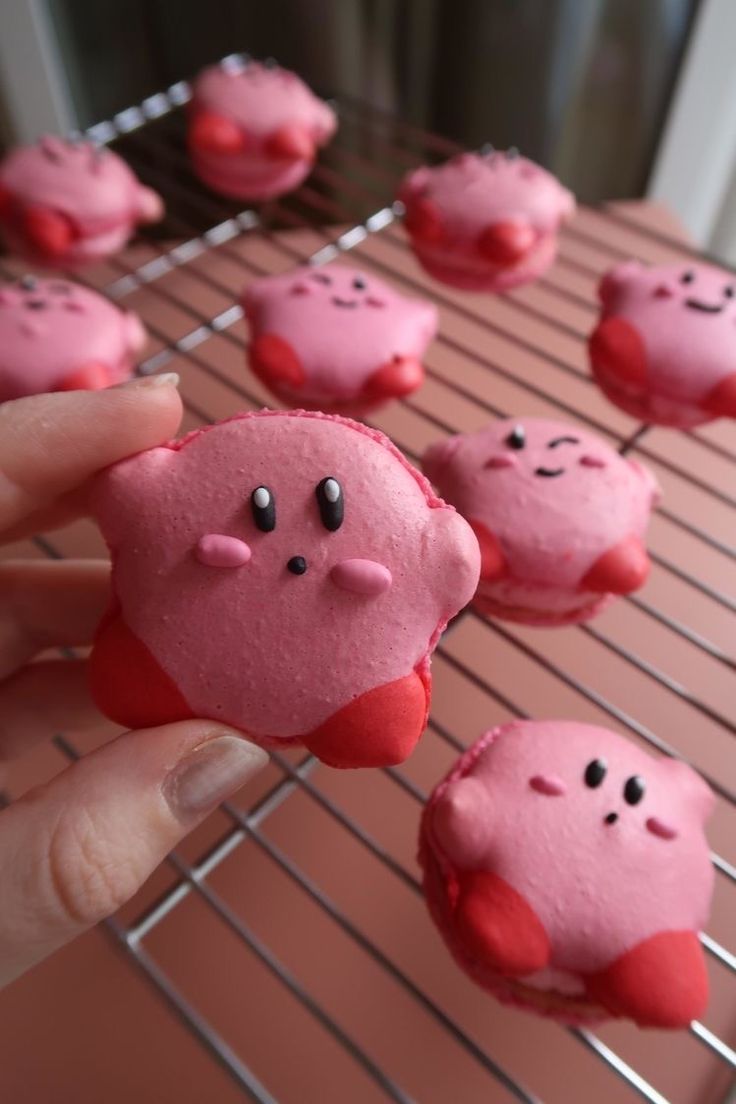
74	850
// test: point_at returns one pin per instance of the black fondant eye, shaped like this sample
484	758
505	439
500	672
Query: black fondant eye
331	503
359	283
634	789
321	277
595	772
263	507
730	291
687	277
28	283
563	441
516	438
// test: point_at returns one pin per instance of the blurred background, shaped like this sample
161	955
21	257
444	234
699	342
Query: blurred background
621	98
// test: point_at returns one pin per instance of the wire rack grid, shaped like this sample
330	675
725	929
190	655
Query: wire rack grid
660	667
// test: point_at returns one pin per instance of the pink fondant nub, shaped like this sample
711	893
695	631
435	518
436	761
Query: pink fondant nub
569	873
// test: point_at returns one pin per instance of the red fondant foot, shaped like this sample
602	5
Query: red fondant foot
127	683
498	927
492	563
661	983
275	363
617	350
211	133
378	729
90	377
621	570
505	243
722	399
423	220
291	143
49	232
399	377
6	203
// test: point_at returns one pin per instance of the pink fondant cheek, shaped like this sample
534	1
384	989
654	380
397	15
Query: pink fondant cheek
663	291
218	550
588	461
661	828
498	462
361	577
548	784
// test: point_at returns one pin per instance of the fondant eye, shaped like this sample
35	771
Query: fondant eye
359	283
321	278
595	772
331	503
516	438
263	507
730	291
557	441
634	789
687	277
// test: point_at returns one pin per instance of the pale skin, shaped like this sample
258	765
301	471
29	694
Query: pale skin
74	850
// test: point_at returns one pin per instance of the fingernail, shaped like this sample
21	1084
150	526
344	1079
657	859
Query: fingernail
159	379
210	773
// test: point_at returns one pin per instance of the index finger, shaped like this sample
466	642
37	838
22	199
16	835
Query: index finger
52	444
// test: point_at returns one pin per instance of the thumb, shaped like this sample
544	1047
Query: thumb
73	851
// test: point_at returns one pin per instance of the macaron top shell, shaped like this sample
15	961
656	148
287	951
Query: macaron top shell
472	191
91	185
261	99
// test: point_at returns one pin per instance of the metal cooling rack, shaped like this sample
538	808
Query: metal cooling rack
353	187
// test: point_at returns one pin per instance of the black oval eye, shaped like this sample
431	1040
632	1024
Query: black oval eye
634	789
359	283
730	291
516	438
263	507
322	278
687	277
331	503
595	772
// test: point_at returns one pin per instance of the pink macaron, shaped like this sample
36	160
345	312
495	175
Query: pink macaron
569	874
254	130
288	573
64	204
665	347
485	222
58	336
560	517
335	338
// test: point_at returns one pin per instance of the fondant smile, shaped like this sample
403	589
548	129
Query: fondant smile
344	302
708	308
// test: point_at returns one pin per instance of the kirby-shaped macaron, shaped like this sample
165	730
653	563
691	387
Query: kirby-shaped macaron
254	130
65	204
569	873
485	222
560	517
58	336
288	573
337	339
665	348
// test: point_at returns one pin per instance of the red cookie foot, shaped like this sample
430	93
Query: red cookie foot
722	399
49	232
127	683
6	203
211	133
492	563
399	377
378	729
621	570
275	363
291	143
498	927
661	983
505	243
423	220
616	349
90	377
